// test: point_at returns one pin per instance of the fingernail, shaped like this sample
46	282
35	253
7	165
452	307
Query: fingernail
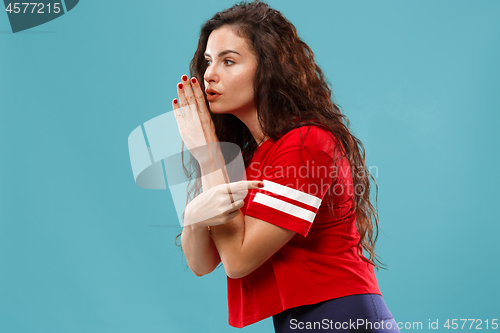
180	86
193	79
175	101
184	78
261	184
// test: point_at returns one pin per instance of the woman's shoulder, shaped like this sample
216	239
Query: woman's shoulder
310	136
309	133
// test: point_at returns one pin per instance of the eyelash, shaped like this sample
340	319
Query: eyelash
226	61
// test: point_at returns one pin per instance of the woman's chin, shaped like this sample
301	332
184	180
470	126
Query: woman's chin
217	109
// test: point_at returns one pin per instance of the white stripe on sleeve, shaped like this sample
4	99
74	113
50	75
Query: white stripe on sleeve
291	193
284	207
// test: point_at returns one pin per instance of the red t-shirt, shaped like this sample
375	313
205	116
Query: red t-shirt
320	262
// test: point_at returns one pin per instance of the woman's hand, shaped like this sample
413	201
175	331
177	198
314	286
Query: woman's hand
215	207
196	126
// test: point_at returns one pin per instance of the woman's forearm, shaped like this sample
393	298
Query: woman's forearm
213	169
227	237
201	254
198	247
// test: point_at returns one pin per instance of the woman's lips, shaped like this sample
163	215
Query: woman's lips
212	96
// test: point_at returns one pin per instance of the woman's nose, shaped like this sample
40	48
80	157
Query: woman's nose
211	74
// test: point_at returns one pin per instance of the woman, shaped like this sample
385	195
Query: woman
293	247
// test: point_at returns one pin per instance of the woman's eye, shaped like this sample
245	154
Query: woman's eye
227	62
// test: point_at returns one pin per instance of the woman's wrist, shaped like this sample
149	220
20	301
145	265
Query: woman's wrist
205	166
212	159
197	228
211	179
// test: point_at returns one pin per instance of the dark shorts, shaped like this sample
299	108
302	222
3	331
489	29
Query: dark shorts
357	313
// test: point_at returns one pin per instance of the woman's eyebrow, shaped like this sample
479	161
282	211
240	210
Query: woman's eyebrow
223	53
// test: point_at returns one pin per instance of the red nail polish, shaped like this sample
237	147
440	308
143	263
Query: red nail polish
261	184
175	101
184	78
193	79
180	86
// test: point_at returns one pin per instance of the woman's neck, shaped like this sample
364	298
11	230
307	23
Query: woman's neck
252	122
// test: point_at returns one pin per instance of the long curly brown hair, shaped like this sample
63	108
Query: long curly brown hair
289	85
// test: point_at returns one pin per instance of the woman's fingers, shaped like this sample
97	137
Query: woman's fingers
177	112
182	88
199	97
245	185
233	192
205	119
237	205
188	91
241	194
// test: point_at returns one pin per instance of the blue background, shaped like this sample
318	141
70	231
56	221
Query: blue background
83	249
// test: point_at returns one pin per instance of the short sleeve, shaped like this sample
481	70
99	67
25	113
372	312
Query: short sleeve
296	178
